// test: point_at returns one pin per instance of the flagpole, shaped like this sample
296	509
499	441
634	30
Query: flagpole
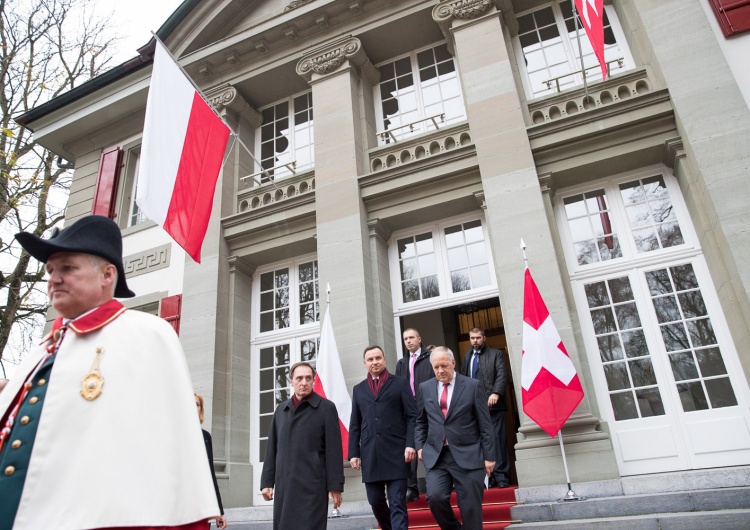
203	95
571	495
580	50
335	513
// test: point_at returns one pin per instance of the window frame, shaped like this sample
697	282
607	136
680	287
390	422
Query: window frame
568	45
379	118
291	148
619	220
443	269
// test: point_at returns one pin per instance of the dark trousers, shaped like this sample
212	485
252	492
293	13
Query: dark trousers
412	483
391	515
501	473
469	485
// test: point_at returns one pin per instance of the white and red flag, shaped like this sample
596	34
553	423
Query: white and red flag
591	13
550	388
181	155
329	379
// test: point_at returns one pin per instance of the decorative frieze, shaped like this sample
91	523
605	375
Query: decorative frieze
147	261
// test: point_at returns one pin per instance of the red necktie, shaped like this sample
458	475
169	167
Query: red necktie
444	400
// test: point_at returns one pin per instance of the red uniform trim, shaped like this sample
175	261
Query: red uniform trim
97	319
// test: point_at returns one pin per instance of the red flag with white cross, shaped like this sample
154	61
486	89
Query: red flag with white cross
550	388
591	13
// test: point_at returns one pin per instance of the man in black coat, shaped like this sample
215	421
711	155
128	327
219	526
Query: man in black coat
381	439
455	441
304	460
415	367
489	367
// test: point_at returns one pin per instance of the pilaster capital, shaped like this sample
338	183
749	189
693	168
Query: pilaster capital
225	97
295	4
479	196
546	184
330	57
379	229
447	11
673	151
238	264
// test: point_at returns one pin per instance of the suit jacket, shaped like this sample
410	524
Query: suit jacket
381	428
422	369
467	427
492	371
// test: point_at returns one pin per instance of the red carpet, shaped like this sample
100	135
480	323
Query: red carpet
495	510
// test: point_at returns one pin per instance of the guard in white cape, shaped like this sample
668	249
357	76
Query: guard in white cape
98	424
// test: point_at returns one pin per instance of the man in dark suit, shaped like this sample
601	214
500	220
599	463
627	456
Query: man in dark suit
381	439
455	441
416	368
488	366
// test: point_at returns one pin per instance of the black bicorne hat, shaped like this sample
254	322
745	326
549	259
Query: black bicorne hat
93	234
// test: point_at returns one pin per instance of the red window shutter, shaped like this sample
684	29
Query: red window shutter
733	15
106	183
170	309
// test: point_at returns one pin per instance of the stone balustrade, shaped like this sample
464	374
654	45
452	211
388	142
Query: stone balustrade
418	147
277	191
600	94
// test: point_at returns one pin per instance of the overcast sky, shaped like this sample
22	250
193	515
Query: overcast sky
134	21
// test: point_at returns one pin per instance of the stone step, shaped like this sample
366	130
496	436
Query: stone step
706	520
632	505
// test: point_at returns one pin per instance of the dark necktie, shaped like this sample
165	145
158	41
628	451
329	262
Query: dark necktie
444	400
474	363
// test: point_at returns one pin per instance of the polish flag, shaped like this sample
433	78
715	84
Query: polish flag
330	382
550	388
181	155
591	12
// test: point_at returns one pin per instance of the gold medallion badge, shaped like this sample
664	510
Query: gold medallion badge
91	385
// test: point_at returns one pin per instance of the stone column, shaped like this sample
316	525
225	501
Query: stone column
382	300
515	209
339	73
208	313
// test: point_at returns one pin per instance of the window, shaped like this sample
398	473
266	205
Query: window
733	16
649	220
448	260
116	183
418	93
286	137
285	331
630	250
549	49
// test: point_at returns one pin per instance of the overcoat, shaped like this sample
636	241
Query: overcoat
492	371
381	428
134	456
422	369
304	461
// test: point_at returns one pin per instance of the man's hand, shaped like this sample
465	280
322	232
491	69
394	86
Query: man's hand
409	454
419	454
356	463
267	493
221	522
336	496
488	467
493	400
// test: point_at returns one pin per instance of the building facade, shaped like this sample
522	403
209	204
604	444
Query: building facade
398	152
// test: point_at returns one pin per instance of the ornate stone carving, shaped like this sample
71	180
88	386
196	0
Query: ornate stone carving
147	261
461	9
295	4
221	96
327	59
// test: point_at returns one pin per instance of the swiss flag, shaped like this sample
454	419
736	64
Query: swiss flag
181	155
591	13
550	388
330	382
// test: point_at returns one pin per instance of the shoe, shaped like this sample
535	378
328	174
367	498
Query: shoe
411	496
501	485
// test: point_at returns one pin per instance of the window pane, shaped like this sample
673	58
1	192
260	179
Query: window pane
642	372
666	309
635	343
692	396
649	402
683	366
617	376
623	406
710	362
720	393
609	348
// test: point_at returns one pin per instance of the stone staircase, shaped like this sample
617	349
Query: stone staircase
713	499
496	508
